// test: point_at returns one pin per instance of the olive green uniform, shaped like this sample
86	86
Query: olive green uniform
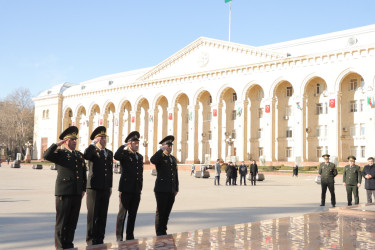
328	172
352	176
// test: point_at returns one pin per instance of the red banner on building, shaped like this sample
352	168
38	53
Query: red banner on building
332	103
268	108
133	119
101	122
170	116
214	112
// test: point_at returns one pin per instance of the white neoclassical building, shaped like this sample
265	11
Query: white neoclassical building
296	99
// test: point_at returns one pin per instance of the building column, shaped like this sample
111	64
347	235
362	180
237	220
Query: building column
241	131
150	137
270	131
193	135
116	132
215	136
133	115
298	129
334	127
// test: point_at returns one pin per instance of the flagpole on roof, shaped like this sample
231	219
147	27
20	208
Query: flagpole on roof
230	13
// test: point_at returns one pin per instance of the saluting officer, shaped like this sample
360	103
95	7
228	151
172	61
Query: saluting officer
99	185
130	186
166	184
352	180
70	185
328	171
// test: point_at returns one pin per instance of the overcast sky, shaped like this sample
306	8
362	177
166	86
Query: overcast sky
47	42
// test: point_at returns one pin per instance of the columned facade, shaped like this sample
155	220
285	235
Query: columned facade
276	101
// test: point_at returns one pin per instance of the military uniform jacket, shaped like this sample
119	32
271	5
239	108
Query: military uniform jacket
71	170
131	180
167	175
327	172
352	175
100	168
229	170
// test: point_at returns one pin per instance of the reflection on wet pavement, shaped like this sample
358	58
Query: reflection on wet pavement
341	228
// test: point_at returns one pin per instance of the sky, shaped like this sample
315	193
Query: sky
48	42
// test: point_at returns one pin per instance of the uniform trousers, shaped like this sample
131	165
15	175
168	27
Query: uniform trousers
253	179
129	203
370	193
244	179
67	213
352	189
229	180
97	209
164	203
331	187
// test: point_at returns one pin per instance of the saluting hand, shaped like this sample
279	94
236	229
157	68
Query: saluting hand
359	184
164	147
96	140
62	142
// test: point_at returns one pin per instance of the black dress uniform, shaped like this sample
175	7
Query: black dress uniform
99	185
130	187
328	172
253	173
70	185
352	177
166	185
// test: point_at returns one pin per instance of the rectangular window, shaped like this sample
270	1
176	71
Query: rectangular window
353	106
260	152
187	136
289	91
325	108
234	134
260	94
210	135
210	101
353	151
289	133
234	97
353	130
319	109
209	116
288	152
325	131
318	88
318	131
260	113
260	133
363	151
362	129
361	105
288	110
319	152
353	84
234	115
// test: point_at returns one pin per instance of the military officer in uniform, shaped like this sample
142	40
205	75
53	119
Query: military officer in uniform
70	185
166	184
130	186
327	171
99	185
352	179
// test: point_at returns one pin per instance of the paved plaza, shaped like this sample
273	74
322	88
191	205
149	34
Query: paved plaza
27	212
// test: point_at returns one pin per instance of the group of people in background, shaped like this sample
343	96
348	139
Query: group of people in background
72	183
232	171
352	179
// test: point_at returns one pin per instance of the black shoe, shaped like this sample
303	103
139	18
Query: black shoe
322	205
333	205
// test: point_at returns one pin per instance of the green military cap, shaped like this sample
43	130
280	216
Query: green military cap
167	140
98	132
133	136
351	157
326	156
70	133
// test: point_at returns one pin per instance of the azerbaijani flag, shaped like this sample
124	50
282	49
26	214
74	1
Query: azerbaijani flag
227	1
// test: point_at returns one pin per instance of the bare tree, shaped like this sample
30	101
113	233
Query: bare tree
17	120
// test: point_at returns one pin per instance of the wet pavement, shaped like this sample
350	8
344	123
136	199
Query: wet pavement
338	228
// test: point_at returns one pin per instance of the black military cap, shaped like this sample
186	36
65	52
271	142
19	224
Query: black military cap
70	133
99	131
167	140
133	136
326	156
351	157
